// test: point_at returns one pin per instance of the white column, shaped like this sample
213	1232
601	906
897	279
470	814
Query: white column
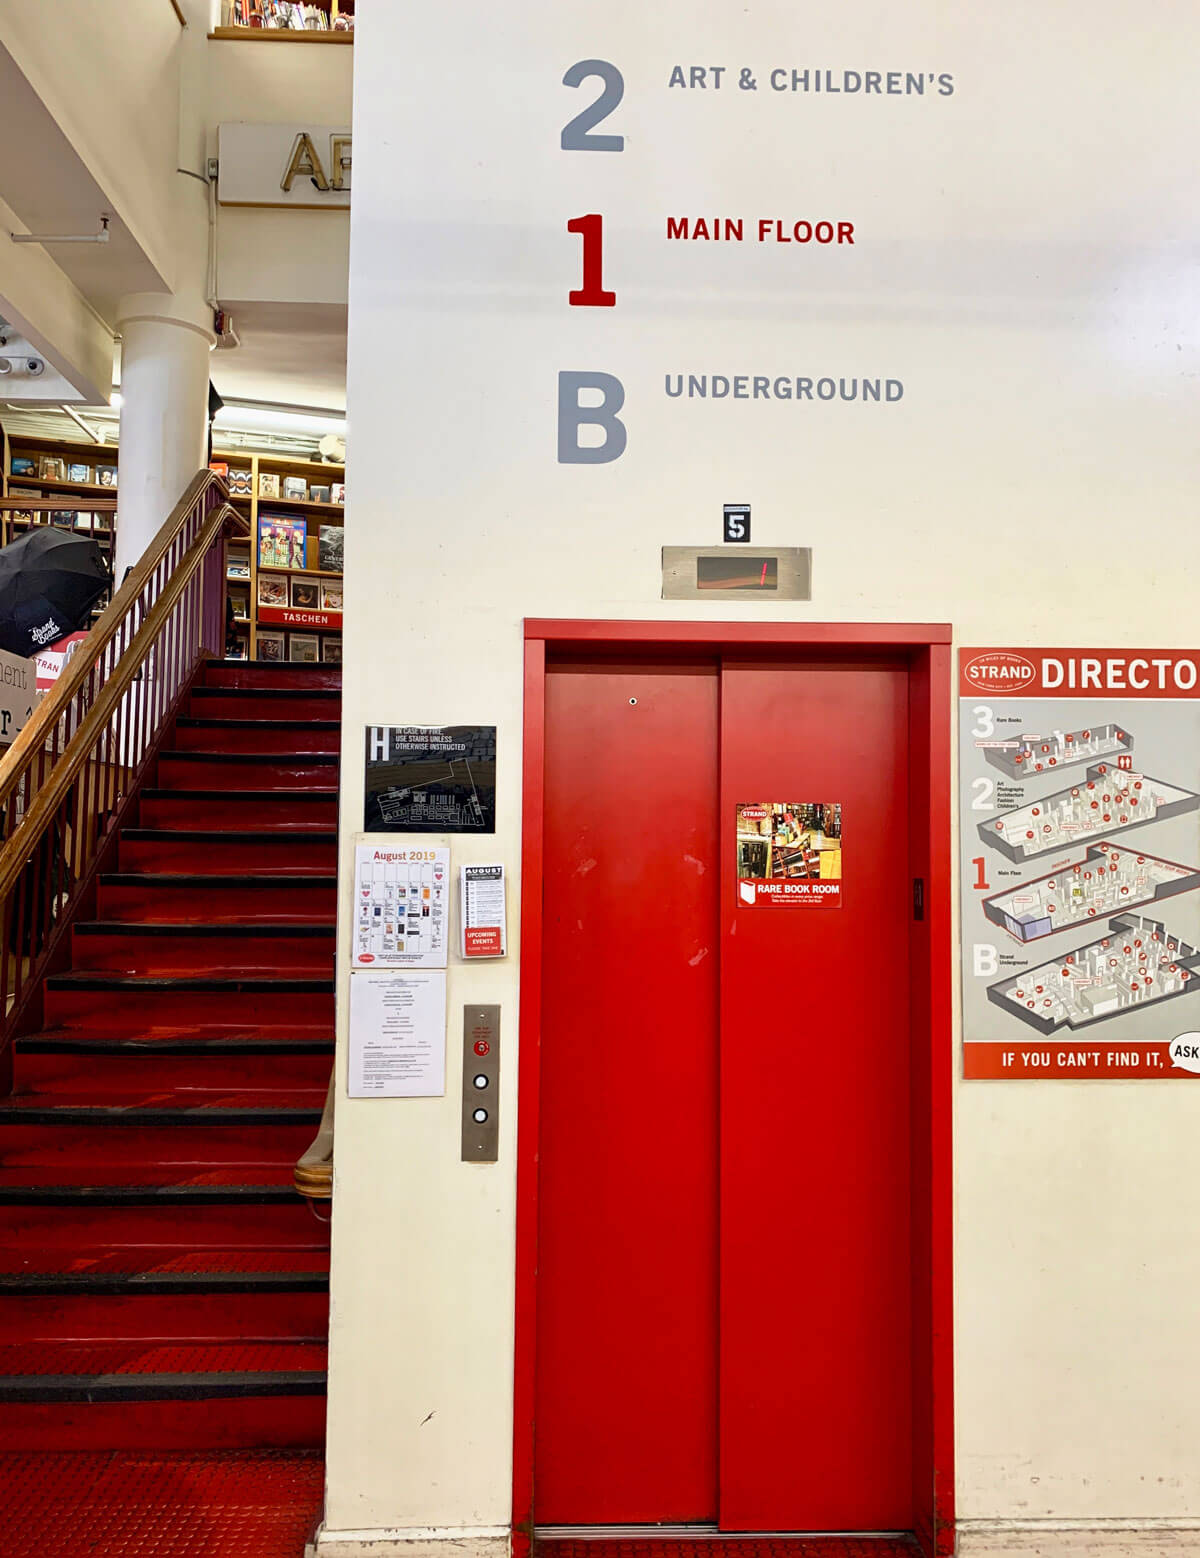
165	345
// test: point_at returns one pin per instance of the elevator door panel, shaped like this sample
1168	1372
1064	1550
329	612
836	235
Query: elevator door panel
815	1406
627	1196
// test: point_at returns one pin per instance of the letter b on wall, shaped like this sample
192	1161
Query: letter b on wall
572	416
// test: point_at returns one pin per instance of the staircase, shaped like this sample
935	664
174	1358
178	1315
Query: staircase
163	1287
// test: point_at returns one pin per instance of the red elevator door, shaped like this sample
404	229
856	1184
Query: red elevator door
626	1402
723	1198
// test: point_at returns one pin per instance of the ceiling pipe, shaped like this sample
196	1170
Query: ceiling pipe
44	238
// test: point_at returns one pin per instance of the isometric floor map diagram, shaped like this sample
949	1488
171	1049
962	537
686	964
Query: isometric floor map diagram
1107	880
1027	755
1105	802
1138	963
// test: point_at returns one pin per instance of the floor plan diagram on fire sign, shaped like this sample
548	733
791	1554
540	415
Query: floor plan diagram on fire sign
1107	801
1027	755
1107	880
1135	964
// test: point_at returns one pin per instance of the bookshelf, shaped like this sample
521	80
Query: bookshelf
56	481
263	21
294	597
51	497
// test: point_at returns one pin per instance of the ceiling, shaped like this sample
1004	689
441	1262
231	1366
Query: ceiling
51	191
291	354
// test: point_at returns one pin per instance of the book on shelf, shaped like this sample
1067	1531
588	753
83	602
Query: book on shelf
106	475
268	484
331	650
331	596
304	646
237	568
79	472
337	492
306	595
23	492
296	488
237	647
271	644
241	484
51	468
62	519
22	465
330	539
220	468
281	541
272	591
320	494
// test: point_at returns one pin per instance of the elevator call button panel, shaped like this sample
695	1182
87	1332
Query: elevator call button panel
481	1084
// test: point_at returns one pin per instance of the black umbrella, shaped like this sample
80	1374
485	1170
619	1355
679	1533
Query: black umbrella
49	582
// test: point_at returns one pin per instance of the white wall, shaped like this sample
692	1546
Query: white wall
1025	263
281	256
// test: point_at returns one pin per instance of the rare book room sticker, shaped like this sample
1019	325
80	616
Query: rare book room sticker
789	854
430	779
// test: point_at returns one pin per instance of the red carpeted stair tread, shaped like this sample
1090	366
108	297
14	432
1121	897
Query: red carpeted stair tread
90	1359
136	1262
197	1033
194	1100
150	1175
166	1284
106	1504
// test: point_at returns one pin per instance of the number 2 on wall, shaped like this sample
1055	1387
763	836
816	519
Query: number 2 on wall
592	293
577	133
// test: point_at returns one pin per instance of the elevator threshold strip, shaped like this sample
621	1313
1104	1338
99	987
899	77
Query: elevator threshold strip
709	1542
773	1545
700	1533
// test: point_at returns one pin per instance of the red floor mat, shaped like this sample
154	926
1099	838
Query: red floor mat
249	1504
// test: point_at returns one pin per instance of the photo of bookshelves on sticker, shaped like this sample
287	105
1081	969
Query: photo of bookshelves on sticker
284	583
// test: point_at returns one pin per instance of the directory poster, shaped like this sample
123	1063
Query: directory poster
1079	776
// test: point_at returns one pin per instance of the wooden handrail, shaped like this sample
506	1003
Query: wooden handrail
48	712
16	852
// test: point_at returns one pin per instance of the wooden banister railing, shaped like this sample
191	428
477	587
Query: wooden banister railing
67	780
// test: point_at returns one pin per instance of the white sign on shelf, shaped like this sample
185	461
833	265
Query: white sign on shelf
401	898
398	1034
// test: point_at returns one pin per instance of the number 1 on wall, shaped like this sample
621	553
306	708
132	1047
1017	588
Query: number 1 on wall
592	293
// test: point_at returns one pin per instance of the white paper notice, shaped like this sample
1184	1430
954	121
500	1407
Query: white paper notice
481	894
401	907
398	1035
